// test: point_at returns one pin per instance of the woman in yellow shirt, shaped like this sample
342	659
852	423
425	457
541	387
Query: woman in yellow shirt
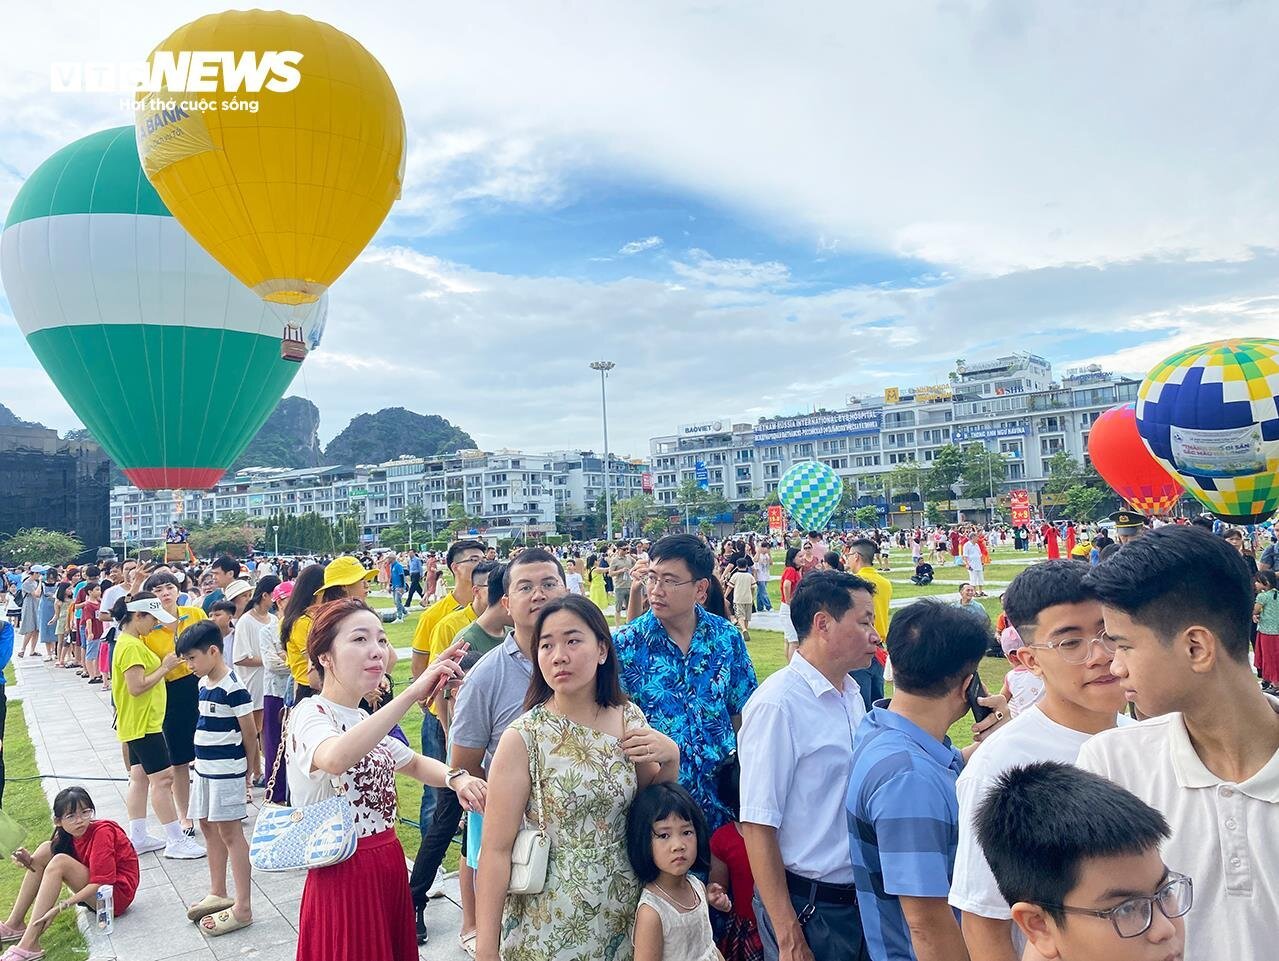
139	695
182	688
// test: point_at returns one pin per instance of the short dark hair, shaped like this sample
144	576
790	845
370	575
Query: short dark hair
866	548
226	563
791	554
158	579
199	637
824	591
699	558
608	687
1045	585
656	803
534	555
497	582
1038	824
1178	576
224	607
458	546
484	567
1202	521
932	645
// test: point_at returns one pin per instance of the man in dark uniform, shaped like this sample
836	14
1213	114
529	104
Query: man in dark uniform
1129	525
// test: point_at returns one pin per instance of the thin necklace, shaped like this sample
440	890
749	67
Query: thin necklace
679	904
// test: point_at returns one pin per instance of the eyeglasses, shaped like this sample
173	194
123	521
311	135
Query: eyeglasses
1076	650
1132	918
81	814
665	582
548	586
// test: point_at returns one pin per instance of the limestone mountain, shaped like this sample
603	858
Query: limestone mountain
374	438
289	438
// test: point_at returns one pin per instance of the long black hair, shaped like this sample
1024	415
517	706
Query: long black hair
265	586
67	802
305	587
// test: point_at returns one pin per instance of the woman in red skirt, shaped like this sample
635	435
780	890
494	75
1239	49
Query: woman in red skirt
361	909
1266	615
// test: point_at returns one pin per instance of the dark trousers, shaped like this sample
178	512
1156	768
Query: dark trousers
871	681
435	842
4	708
415	585
833	931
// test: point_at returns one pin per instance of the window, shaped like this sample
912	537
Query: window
799	451
1051	445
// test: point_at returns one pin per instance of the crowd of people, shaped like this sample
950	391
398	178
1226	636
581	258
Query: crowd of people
1108	807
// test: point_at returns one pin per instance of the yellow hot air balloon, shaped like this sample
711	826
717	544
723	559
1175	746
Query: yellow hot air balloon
284	194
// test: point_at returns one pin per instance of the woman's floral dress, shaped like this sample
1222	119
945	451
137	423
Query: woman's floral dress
587	908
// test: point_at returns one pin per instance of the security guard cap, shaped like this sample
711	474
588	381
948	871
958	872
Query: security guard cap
1128	522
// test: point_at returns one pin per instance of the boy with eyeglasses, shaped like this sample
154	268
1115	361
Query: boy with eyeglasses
1078	859
1063	639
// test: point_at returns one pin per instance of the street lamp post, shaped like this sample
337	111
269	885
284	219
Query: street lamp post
276	529
604	366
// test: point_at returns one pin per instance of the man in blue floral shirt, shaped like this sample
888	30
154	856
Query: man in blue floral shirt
686	668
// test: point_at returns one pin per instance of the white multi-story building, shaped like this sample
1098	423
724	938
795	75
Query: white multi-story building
1011	405
509	492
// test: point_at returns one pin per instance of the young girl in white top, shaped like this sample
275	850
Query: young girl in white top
666	837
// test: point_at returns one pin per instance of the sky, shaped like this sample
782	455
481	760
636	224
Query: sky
752	208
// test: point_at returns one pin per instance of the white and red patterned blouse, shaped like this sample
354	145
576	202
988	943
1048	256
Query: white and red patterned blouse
369	785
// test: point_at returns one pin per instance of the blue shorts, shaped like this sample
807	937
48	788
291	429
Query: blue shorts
91	650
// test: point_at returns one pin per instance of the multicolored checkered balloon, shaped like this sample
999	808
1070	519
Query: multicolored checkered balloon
810	493
1209	416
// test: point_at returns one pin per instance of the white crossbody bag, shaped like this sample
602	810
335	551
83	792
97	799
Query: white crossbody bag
532	848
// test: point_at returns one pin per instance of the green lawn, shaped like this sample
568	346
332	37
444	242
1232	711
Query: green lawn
24	801
767	652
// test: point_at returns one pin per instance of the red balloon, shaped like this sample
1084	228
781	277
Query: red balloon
1124	462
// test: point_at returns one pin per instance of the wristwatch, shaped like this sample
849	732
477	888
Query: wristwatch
453	772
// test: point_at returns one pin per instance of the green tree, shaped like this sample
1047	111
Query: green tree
655	528
846	510
40	546
1064	472
1082	502
459	519
237	540
866	517
982	470
633	511
948	466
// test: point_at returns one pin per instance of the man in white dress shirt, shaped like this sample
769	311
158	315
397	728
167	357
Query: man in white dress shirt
796	748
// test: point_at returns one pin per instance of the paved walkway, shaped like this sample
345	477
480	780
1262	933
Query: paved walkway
70	726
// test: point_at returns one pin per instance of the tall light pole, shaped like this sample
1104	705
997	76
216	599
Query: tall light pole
604	366
276	529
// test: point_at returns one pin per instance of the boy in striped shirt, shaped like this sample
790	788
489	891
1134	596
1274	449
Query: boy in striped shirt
226	762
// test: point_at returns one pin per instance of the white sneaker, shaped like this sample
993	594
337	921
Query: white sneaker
148	842
186	849
437	888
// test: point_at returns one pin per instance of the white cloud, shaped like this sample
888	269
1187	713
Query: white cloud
702	268
639	246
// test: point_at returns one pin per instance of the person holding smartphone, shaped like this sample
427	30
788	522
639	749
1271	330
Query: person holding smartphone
903	812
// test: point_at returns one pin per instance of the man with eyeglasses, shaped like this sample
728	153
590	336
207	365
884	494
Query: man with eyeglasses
1060	623
1177	604
461	559
1078	859
687	669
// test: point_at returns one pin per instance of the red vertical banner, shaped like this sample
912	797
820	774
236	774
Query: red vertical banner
646	482
1019	506
776	520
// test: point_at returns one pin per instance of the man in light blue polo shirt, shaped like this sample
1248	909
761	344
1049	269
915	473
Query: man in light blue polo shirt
903	813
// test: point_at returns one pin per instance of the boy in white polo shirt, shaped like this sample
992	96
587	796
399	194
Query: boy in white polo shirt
1178	605
1060	622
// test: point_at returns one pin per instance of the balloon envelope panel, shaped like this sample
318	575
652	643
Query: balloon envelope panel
285	197
171	363
1120	456
810	492
1208	414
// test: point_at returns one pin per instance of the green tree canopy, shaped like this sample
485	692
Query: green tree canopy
39	546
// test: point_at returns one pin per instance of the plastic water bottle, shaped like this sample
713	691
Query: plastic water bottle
106	908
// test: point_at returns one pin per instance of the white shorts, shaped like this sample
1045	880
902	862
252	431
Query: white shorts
788	626
977	578
217	799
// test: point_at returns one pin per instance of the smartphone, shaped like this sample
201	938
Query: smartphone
975	690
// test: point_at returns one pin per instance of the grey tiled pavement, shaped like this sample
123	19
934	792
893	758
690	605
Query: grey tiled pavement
70	726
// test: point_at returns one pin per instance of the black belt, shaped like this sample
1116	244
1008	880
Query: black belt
819	892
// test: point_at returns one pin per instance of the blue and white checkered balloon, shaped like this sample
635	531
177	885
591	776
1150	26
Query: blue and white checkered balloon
810	493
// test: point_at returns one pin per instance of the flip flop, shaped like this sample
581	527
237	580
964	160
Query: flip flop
224	922
209	904
467	943
16	953
8	934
